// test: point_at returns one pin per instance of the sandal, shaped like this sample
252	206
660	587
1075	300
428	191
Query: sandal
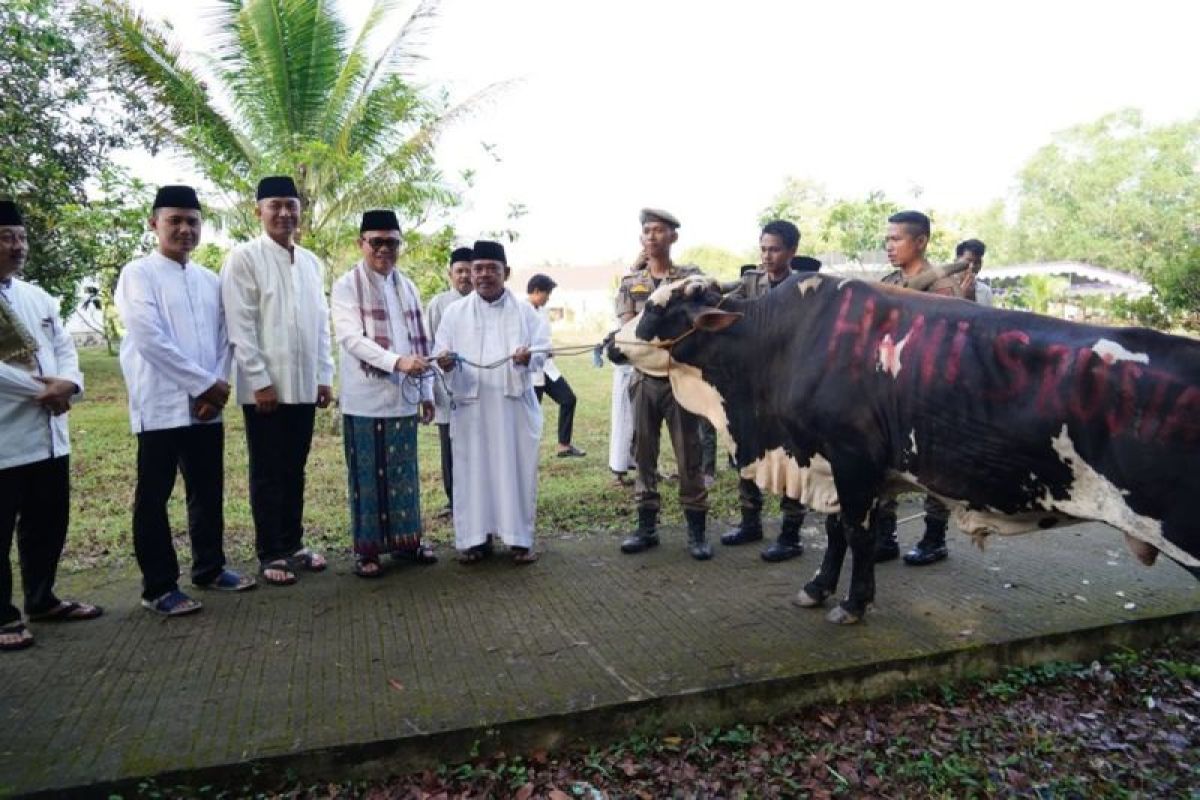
367	567
173	604
474	554
278	565
68	611
16	629
304	558
228	581
422	555
524	555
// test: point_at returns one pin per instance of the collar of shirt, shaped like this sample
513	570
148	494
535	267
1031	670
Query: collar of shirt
169	262
290	255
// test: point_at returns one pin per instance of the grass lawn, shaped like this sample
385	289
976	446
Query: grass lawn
575	495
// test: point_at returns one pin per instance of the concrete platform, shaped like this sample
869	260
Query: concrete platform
341	677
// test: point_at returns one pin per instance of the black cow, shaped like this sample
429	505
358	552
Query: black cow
1017	420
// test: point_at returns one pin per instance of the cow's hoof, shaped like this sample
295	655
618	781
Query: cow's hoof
840	616
806	600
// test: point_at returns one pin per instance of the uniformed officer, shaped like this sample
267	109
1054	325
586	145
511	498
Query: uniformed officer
653	403
907	237
777	248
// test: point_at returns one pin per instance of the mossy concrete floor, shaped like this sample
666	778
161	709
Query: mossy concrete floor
340	677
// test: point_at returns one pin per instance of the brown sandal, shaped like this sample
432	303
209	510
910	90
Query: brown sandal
16	629
68	611
524	555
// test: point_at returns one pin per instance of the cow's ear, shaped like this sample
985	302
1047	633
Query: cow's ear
714	320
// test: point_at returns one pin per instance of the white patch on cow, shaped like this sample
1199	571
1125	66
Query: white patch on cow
780	474
702	398
843	282
887	358
662	295
1093	496
1111	351
912	441
643	355
809	285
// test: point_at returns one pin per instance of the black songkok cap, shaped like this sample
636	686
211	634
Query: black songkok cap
277	186
489	251
462	254
379	220
805	264
10	214
176	197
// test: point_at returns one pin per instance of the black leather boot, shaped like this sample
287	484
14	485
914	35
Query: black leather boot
932	547
749	531
788	545
698	546
646	535
884	529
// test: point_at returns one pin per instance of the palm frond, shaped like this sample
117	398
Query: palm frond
180	96
353	71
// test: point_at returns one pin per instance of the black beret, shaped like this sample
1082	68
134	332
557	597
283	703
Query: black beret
462	254
176	197
10	214
805	264
379	220
276	186
489	251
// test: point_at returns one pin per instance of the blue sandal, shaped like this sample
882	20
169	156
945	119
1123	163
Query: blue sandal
228	581
173	604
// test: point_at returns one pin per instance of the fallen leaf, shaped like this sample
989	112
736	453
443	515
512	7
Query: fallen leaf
395	684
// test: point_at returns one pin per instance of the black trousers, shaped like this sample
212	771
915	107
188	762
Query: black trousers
750	500
447	461
35	500
278	445
560	392
198	451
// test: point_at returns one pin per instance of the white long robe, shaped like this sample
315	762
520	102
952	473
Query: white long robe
496	422
620	438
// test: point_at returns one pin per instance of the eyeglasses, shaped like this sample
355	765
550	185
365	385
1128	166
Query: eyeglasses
381	243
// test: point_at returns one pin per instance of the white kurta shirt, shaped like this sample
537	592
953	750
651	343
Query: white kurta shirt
364	395
433	317
175	344
496	423
549	371
278	320
29	433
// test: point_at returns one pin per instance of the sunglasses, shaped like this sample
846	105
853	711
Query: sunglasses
381	243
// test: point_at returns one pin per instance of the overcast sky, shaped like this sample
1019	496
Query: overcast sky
704	108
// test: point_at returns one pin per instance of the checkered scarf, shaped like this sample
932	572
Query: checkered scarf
17	344
373	310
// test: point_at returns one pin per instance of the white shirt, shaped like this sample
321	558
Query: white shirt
364	395
433	319
29	433
983	293
278	321
549	371
175	345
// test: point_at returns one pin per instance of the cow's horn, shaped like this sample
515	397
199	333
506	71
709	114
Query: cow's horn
931	276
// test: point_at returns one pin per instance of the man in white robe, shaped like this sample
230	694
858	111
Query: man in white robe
39	379
490	343
273	291
175	359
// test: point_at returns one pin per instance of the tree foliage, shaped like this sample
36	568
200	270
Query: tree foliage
1119	194
60	120
288	89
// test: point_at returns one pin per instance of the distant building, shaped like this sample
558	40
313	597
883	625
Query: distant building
583	301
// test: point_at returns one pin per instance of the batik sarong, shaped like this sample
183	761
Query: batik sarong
384	491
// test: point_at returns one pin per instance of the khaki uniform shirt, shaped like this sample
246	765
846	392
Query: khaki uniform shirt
754	284
949	286
636	287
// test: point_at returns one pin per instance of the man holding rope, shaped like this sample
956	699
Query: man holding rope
490	344
386	389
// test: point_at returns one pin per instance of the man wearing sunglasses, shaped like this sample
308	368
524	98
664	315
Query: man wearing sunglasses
386	389
273	291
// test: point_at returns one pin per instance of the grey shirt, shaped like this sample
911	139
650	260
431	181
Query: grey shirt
433	316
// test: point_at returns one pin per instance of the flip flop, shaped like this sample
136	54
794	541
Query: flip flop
360	568
524	555
422	555
173	604
304	558
473	555
278	565
228	581
68	611
18	628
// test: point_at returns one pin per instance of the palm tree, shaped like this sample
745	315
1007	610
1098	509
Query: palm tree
285	89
